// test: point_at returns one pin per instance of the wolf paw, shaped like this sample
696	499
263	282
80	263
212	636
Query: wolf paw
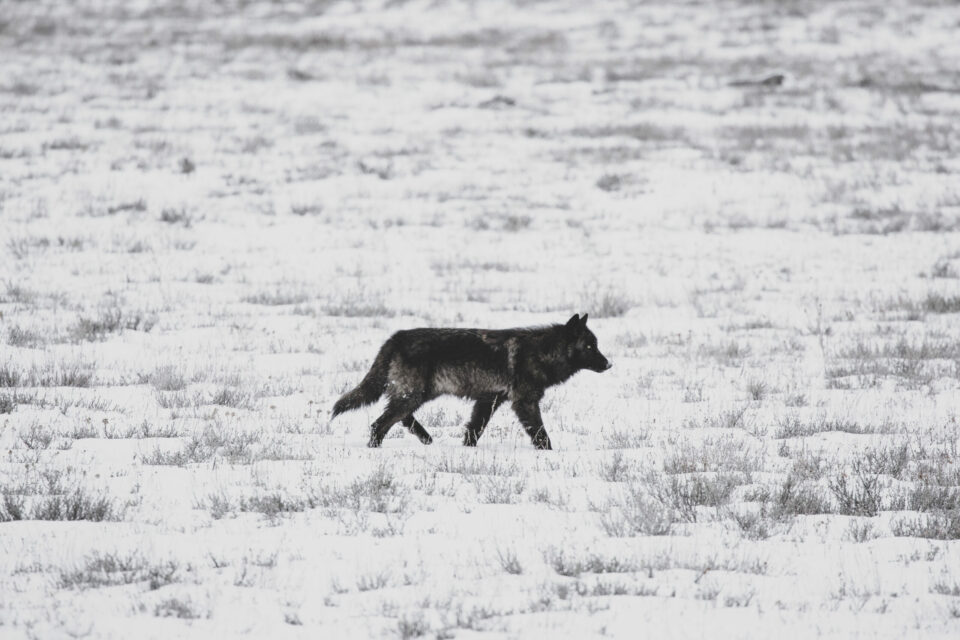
543	444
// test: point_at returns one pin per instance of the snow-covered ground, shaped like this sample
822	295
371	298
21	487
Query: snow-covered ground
212	215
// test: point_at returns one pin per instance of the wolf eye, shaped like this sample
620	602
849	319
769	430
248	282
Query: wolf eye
589	347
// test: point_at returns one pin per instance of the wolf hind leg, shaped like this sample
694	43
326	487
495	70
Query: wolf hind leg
397	409
482	412
414	427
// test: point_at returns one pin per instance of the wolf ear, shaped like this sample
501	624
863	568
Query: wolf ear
573	322
583	320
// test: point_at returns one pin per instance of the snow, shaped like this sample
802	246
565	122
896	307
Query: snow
212	215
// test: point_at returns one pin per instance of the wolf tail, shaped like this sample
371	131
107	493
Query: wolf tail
371	387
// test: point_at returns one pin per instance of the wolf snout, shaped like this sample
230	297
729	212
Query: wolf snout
601	366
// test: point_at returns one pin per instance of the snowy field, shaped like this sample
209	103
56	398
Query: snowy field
213	213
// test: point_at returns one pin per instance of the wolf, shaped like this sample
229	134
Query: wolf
488	366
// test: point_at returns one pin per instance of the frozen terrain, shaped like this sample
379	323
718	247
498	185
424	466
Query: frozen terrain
213	213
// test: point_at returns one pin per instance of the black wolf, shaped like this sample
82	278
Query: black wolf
486	365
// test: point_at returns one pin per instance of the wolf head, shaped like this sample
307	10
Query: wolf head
583	349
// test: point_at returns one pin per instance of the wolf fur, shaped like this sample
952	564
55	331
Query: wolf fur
489	366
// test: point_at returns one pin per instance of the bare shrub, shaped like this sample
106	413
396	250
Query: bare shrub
684	495
860	530
351	503
378	492
82	430
568	565
18	294
276	298
643	131
9	375
51	374
373	580
937	303
77	505
65	402
602	301
809	465
634	513
937	525
739	599
272	504
723	454
796	399
609	182
513	223
625	439
509	561
111	569
234	397
216	440
60	503
693	393
361	303
413	625
754	525
230	444
555	499
180	216
179	399
943	268
893	461
728	354
108	321
20	337
757	389
565	591
732	419
941	470
72	375
476	463
166	378
946	588
904	350
797	498
176	608
616	468
36	437
499	489
792	427
857	493
926	497
22	246
181	458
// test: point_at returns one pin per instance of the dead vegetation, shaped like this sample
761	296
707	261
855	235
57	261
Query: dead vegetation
188	278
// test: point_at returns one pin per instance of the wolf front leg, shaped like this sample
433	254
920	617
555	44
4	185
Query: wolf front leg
482	412
413	426
528	412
